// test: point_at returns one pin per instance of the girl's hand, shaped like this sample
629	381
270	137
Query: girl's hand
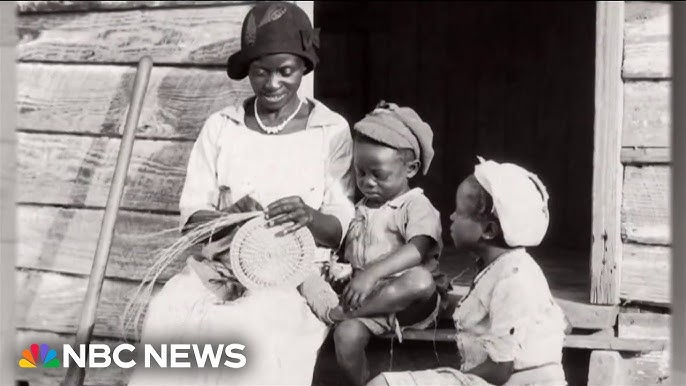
289	210
359	289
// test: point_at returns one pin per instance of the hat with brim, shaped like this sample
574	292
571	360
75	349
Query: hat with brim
274	28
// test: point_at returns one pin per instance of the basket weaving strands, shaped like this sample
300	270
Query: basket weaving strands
164	257
259	259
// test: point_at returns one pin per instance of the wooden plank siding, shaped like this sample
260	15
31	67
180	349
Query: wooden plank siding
93	99
63	240
646	154
77	171
647	48
75	72
52	302
32	7
648	368
8	232
645	205
646	274
184	36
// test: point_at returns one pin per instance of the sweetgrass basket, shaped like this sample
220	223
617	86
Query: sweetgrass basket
260	259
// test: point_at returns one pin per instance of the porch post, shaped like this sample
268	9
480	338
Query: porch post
606	243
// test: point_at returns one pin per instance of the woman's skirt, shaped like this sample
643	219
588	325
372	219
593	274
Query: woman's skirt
280	334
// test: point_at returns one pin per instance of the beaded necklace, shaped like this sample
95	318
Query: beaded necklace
279	127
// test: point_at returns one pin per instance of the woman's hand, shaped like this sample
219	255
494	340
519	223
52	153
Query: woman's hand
359	288
325	228
289	210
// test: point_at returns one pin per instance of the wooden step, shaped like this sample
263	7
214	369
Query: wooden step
592	342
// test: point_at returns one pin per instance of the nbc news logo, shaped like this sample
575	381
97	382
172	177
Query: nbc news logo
166	355
36	356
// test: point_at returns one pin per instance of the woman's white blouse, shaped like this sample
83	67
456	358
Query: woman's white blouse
510	315
315	164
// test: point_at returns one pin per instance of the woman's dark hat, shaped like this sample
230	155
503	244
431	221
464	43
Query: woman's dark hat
274	27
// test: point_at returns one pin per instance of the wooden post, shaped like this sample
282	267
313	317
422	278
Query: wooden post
75	375
606	243
8	112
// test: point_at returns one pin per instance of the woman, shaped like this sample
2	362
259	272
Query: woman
277	152
509	329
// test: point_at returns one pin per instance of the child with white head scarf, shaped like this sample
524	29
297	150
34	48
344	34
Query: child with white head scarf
520	201
510	331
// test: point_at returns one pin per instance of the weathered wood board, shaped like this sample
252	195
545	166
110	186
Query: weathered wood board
77	171
650	368
647	120
197	36
644	325
646	214
64	240
52	302
646	156
646	274
27	7
94	99
647	47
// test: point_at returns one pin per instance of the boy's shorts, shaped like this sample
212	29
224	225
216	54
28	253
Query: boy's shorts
379	325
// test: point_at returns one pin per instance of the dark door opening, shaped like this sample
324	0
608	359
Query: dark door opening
508	81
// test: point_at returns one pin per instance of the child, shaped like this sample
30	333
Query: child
509	328
394	241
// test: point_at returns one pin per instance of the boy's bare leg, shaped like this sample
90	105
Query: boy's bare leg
351	338
414	286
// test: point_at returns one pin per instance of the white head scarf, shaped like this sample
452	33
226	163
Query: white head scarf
520	201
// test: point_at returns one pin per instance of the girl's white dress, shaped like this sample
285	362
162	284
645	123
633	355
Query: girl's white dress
508	315
280	333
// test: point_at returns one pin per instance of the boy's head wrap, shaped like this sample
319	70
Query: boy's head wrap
399	128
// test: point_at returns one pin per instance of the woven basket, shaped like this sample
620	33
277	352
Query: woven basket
260	259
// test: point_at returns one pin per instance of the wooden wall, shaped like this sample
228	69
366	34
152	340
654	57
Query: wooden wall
646	187
511	81
76	65
646	154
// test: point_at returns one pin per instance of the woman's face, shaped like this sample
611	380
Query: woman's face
275	79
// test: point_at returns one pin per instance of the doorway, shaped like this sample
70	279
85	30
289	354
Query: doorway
509	81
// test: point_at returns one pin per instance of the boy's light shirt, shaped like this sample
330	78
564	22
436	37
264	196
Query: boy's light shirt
375	233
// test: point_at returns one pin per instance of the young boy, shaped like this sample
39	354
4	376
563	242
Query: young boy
394	241
510	330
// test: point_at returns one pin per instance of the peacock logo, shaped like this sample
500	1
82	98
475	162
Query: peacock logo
43	355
